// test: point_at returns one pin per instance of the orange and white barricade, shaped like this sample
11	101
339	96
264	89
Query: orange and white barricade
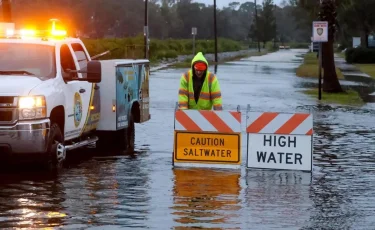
207	138
279	140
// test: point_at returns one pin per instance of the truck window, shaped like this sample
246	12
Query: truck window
67	61
35	58
81	56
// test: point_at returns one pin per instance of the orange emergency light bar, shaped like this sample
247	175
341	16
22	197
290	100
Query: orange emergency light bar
24	33
7	31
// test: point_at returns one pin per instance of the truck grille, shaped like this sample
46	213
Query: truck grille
6	116
8	110
6	100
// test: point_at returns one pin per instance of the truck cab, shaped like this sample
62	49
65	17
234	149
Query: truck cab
54	98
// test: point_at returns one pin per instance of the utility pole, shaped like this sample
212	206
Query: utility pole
256	24
7	11
145	33
215	31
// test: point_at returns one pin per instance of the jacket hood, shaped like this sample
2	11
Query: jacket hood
197	58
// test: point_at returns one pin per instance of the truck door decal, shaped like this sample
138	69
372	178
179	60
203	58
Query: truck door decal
123	95
77	109
93	115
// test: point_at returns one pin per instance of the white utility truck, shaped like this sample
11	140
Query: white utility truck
55	98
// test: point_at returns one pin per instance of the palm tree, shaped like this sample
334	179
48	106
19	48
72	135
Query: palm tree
325	10
328	13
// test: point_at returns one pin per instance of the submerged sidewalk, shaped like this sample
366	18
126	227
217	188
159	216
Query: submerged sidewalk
351	72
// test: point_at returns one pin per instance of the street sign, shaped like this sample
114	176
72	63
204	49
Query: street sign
320	31
207	147
194	30
279	140
207	138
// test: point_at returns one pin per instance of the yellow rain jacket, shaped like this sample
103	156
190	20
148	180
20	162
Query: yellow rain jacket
210	95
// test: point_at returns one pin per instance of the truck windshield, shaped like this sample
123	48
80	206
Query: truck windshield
34	60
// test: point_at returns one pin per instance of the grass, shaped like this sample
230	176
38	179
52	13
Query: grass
187	63
367	68
350	97
310	67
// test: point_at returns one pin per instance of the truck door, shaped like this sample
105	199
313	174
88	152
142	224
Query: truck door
77	94
144	92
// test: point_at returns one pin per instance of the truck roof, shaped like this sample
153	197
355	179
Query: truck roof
40	41
117	62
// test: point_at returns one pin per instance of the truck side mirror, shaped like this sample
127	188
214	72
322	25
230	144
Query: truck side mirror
94	72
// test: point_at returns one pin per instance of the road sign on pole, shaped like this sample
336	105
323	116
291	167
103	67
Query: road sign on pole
320	34
320	31
194	33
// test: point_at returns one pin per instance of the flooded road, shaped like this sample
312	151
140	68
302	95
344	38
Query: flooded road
144	191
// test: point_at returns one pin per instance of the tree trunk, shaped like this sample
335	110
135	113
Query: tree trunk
331	83
364	38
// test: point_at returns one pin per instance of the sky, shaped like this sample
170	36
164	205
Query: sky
222	3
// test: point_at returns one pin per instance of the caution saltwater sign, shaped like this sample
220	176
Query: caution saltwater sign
215	148
206	138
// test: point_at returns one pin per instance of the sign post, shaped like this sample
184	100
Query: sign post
206	138
194	33
320	35
279	140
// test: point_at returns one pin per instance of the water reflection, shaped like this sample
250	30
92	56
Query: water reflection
109	190
31	200
277	198
206	197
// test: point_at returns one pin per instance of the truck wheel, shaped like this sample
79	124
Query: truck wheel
56	150
130	134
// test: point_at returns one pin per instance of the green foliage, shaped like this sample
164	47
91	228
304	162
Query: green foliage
159	49
264	26
360	55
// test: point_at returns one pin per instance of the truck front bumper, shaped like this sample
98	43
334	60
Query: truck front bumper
24	137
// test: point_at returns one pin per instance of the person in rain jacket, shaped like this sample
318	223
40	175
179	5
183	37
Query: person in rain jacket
199	88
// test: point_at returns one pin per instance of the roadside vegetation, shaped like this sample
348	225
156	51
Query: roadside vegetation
349	97
310	67
159	49
187	62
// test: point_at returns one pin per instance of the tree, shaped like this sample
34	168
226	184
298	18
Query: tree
328	13
268	22
358	16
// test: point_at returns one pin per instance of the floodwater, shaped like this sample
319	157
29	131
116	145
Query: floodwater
144	191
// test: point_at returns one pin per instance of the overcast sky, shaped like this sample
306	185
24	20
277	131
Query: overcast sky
222	3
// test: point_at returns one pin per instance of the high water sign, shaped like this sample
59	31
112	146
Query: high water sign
207	139
280	140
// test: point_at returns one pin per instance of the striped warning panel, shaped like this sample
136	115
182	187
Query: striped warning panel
280	123
208	120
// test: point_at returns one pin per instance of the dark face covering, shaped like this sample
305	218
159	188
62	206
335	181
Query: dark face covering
197	84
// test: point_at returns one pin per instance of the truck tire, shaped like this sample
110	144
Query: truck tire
130	135
55	149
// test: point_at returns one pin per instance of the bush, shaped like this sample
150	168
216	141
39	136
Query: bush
360	55
159	49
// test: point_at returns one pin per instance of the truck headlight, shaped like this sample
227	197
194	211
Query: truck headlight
32	107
